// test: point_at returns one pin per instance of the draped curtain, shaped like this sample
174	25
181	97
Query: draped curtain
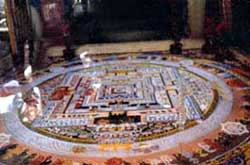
218	17
227	13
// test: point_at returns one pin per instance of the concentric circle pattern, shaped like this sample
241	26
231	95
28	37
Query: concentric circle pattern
120	107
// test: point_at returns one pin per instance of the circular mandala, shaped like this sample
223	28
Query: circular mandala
119	104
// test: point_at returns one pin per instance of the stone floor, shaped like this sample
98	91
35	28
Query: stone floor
126	47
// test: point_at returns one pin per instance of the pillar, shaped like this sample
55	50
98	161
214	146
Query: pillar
196	15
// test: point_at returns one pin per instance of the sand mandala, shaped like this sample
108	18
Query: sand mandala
119	107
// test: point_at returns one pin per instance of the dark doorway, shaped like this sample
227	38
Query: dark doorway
241	23
129	20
